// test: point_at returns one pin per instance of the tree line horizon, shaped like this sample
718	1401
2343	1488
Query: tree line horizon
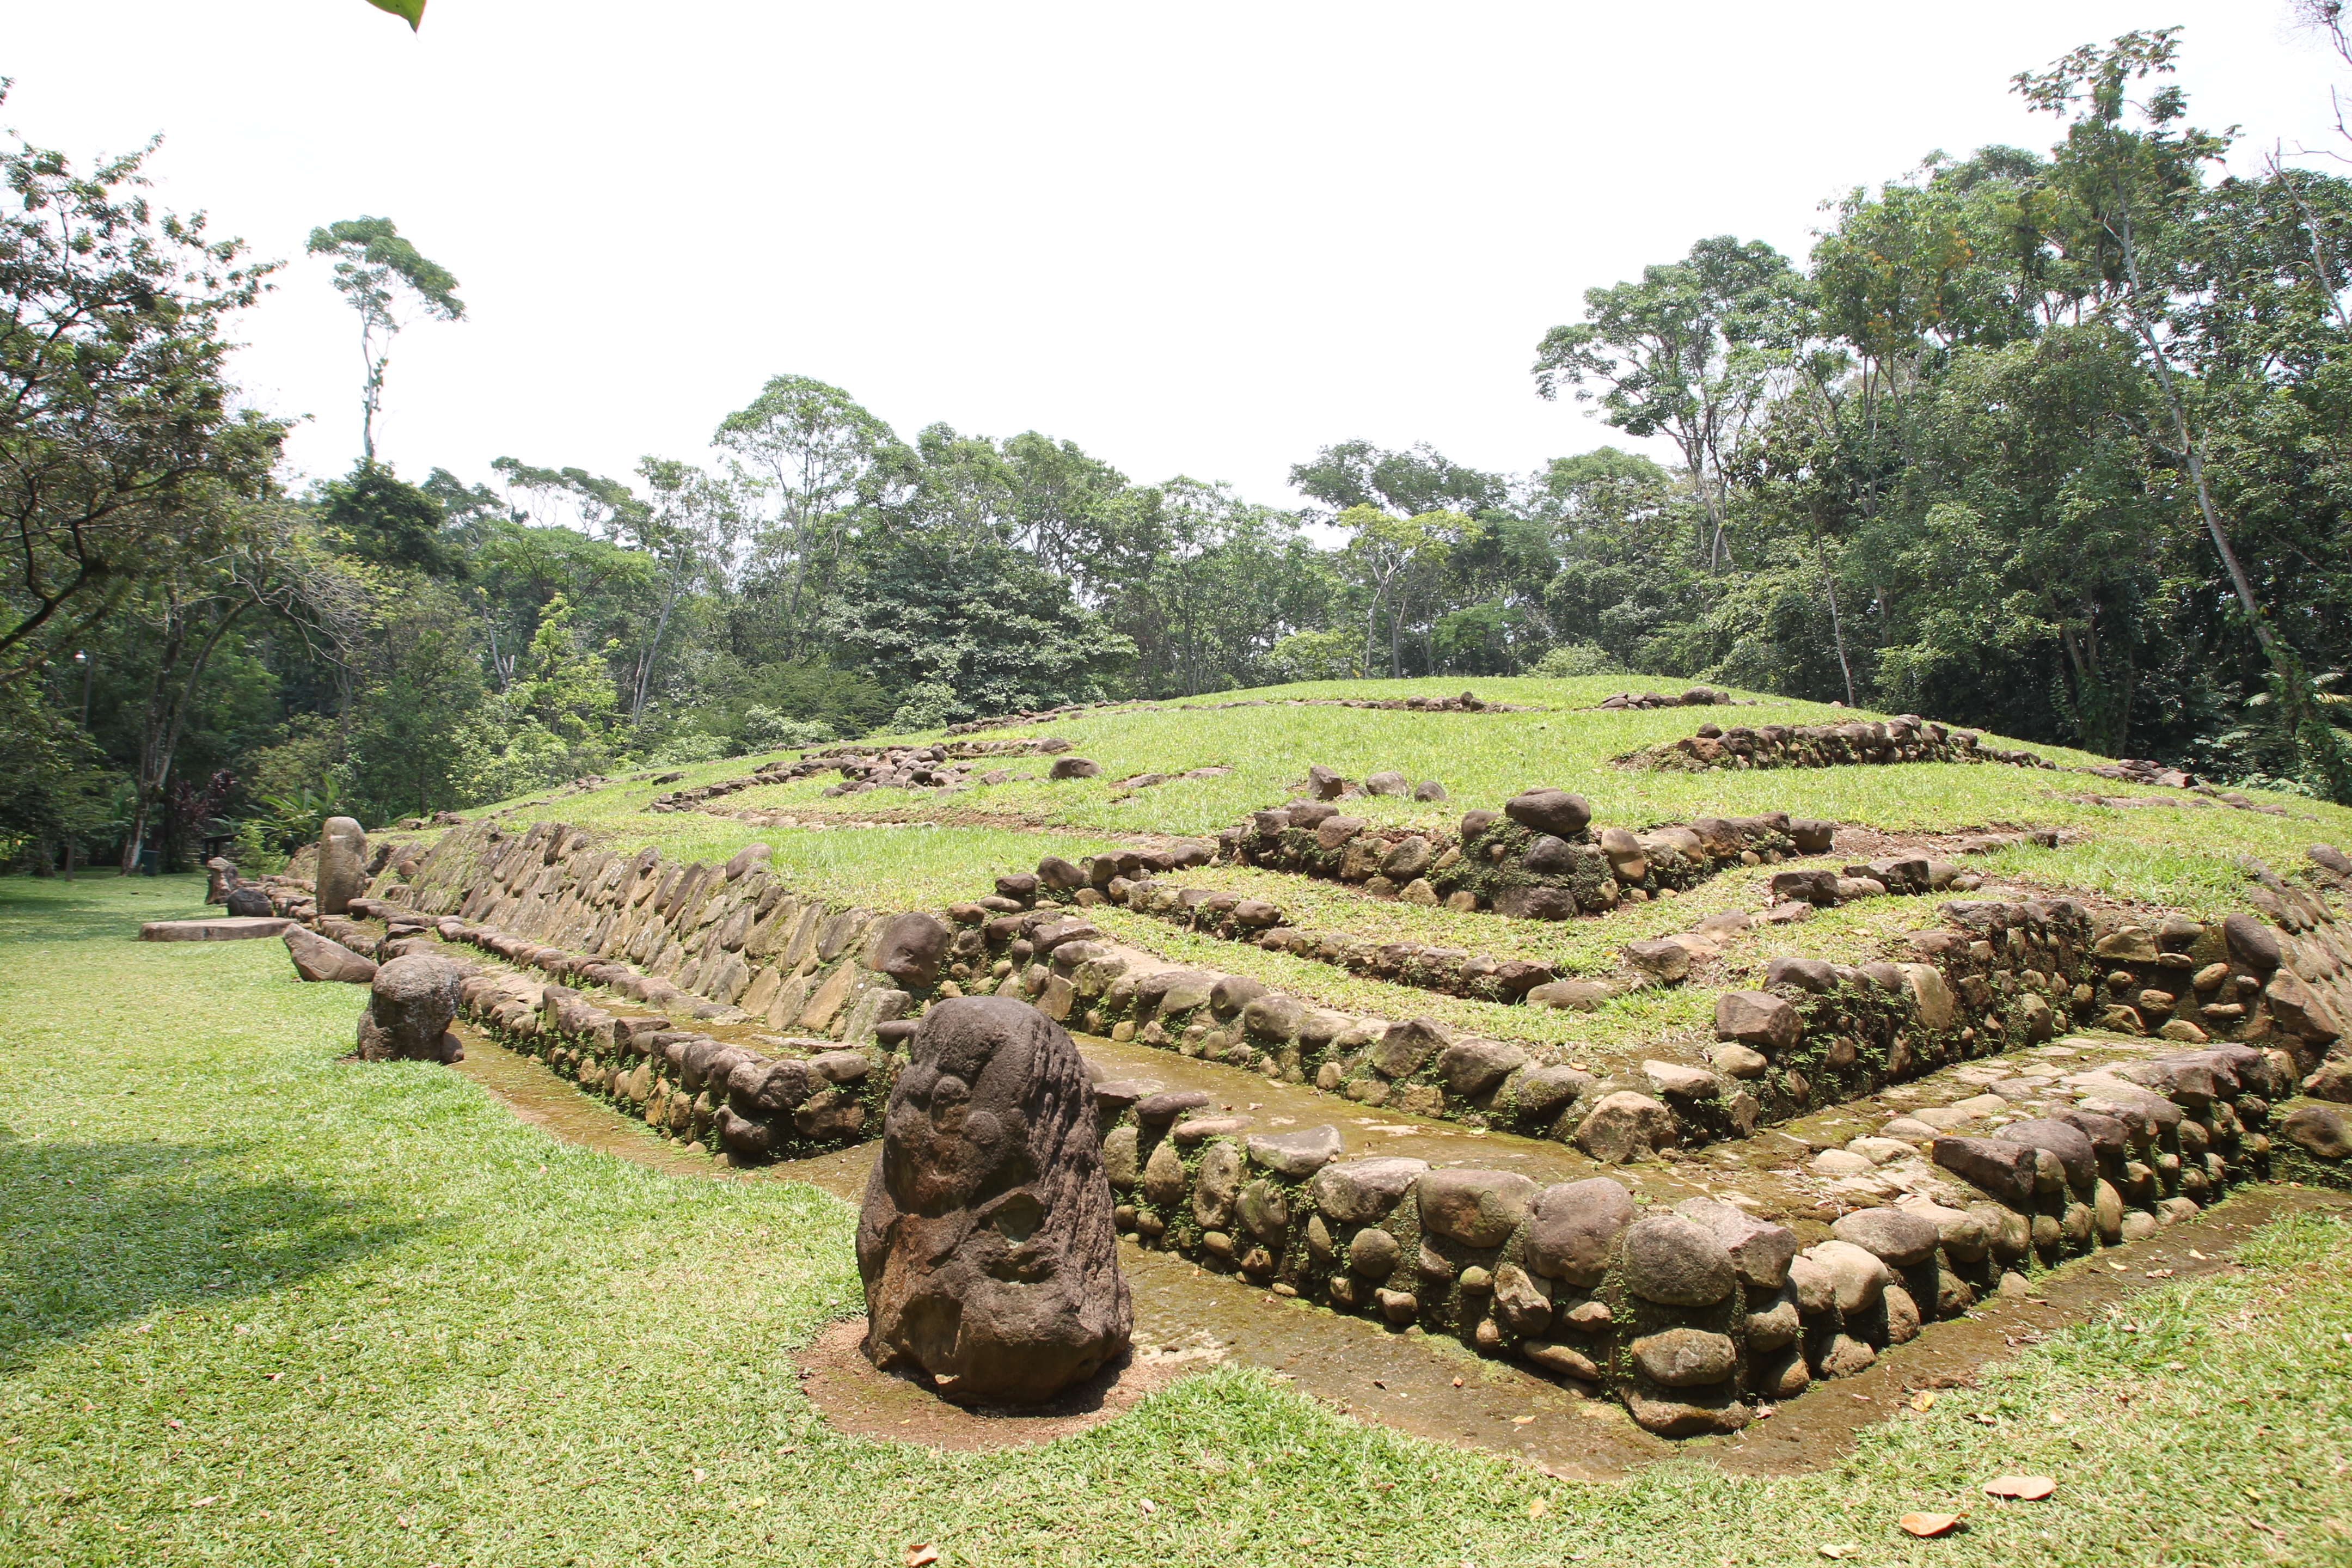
2052	444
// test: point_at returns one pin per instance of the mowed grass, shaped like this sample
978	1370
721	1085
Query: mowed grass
2181	857
259	1306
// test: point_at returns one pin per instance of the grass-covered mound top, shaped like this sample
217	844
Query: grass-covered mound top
2181	850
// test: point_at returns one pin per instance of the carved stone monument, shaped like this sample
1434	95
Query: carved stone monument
986	1242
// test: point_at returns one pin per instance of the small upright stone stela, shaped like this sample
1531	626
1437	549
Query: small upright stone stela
986	1242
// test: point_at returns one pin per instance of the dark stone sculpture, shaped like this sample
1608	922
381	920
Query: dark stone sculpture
986	1243
411	1005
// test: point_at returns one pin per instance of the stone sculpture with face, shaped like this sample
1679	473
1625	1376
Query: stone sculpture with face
986	1243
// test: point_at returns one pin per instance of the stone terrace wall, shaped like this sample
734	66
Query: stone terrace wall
1690	1317
1904	739
1538	858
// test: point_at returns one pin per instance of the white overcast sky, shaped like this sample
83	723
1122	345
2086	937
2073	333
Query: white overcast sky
1202	239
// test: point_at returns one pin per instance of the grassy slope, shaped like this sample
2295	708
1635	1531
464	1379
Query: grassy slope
374	1319
2180	857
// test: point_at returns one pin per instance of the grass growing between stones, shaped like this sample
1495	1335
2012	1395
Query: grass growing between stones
259	1306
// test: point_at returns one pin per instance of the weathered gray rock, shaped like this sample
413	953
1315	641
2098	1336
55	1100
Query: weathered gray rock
1624	1127
1477	1208
1894	1236
1386	783
1758	1020
1582	996
985	1243
1164	1178
2069	1143
2317	1130
1685	1358
1663	959
1373	1253
316	958
1410	858
1760	1250
2297	1011
1811	835
342	865
1572	1228
1470	1067
1541	1095
1406	1045
1294	1154
1522	1302
1552	811
1122	1162
2251	942
1625	854
910	950
1682	1080
1964	1236
249	903
1806	973
1858	1277
1677	1262
411	1002
1216	1182
2004	1170
1773	1322
1363	1191
2332	1080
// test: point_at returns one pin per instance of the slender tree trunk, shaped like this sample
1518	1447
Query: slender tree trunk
164	721
1837	632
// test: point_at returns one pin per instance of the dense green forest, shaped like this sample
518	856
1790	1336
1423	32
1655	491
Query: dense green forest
2057	443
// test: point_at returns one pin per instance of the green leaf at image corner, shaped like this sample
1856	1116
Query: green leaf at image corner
409	11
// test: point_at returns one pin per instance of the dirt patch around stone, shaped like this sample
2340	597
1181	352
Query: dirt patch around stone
857	1397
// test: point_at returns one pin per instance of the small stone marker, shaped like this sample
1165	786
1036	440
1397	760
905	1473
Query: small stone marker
986	1243
342	865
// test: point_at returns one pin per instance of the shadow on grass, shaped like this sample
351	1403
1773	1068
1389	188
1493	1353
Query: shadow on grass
96	906
98	1233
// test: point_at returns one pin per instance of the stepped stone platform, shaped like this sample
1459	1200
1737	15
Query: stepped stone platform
1862	1151
220	927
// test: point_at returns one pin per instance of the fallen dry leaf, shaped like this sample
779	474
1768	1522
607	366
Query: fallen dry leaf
2025	1489
1521	1420
921	1555
1927	1524
1845	1549
1923	1400
1538	1508
1148	1506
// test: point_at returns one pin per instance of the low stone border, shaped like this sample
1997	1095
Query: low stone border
1907	738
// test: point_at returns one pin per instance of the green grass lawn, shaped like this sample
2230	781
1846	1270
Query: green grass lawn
2180	858
261	1306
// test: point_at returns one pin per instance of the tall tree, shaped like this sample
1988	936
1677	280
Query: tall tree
815	448
1690	352
377	271
117	438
